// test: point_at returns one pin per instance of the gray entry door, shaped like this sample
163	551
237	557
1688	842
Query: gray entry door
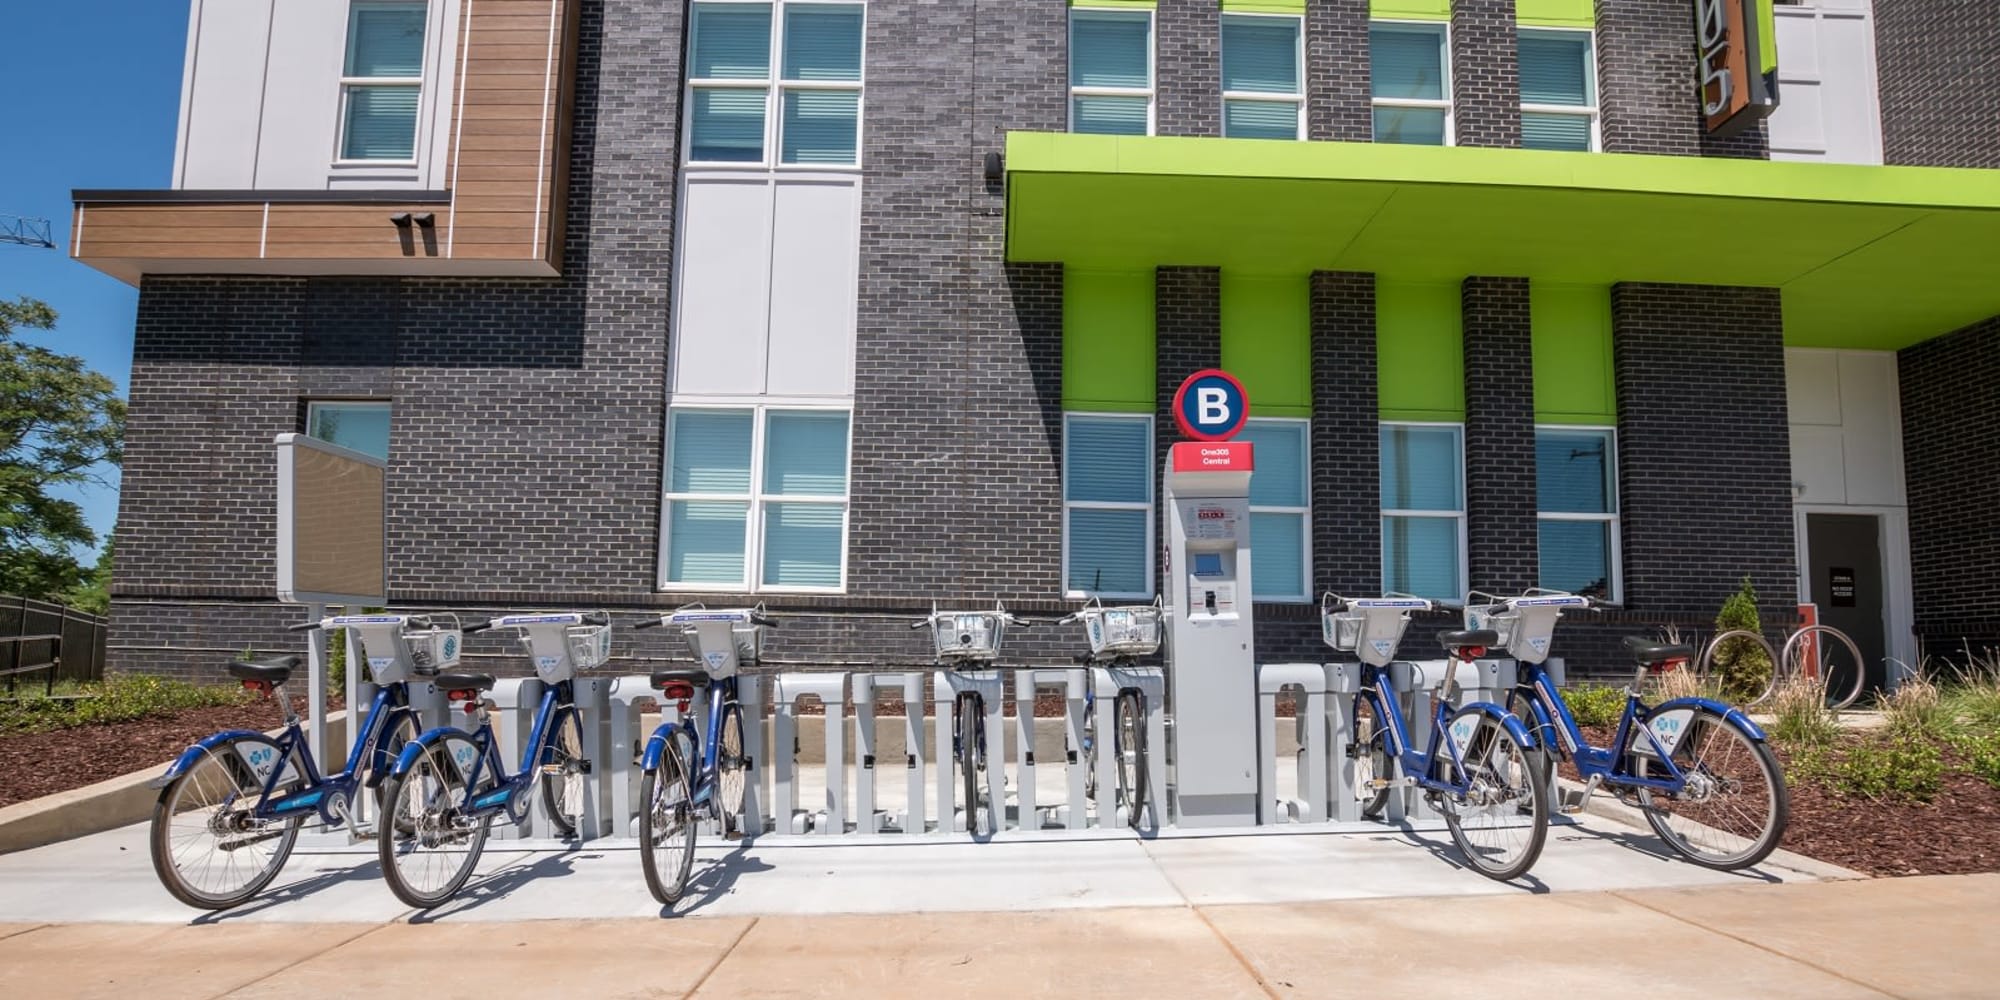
1844	552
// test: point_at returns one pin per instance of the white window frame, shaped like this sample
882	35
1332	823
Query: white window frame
1615	583
1464	559
315	406
774	86
1304	514
1152	65
1297	99
756	498
348	84
1150	506
1573	110
1443	31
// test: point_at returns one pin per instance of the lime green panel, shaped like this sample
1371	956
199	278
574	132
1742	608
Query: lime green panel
1557	13
1572	338
1108	341
1419	350
1267	342
1867	257
1767	36
1411	10
1264	6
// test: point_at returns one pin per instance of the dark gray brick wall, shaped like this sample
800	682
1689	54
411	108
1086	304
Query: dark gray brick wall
1500	501
1337	90
1485	74
1938	77
1704	452
1646	84
1187	320
1346	462
1188	68
1951	455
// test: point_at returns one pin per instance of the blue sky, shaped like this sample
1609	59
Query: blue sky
91	100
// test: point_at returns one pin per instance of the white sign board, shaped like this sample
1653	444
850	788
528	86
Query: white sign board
332	525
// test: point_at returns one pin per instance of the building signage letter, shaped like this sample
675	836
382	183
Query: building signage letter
1736	88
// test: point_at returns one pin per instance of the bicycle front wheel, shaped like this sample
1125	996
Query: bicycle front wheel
732	767
1501	821
400	732
667	826
969	718
1130	715
429	864
562	774
208	849
1733	809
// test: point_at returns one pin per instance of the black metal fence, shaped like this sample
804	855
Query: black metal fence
44	644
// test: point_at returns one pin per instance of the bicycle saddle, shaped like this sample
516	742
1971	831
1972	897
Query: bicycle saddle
463	682
662	678
1475	637
275	670
1652	654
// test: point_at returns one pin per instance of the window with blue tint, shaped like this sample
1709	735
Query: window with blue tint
756	499
1423	509
809	103
727	126
357	426
821	126
1262	89
708	451
823	42
732	41
1279	506
382	81
705	541
806	453
1108	505
1409	81
802	545
1111	71
1576	487
1558	90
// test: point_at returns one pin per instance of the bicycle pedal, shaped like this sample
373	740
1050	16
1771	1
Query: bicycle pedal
553	770
1571	809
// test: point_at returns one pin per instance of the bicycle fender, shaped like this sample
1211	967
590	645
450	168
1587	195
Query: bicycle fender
1730	714
1507	721
206	745
424	741
656	746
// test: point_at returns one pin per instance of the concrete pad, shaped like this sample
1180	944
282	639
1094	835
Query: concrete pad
1166	952
1918	937
530	960
120	961
1529	946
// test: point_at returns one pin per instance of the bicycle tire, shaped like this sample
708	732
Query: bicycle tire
1776	808
562	793
1488	759
1372	760
732	766
1129	728
436	778
666	873
1794	649
162	841
398	734
970	710
1706	661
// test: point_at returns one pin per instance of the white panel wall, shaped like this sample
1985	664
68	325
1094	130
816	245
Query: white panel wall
765	298
1828	108
261	106
1847	429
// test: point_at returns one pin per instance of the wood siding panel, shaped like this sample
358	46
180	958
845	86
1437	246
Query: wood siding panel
169	231
516	62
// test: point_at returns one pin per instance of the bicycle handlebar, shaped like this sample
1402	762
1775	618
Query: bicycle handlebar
648	623
476	627
763	621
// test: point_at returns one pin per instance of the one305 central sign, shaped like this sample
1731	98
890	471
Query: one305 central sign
1736	68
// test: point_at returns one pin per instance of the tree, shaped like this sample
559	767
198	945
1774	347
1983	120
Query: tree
58	421
94	593
1742	664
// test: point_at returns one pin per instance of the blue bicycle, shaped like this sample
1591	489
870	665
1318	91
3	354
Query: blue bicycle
1699	770
676	794
448	785
1481	767
232	805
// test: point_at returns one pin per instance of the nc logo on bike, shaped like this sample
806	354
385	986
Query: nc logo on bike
464	755
1670	727
1462	730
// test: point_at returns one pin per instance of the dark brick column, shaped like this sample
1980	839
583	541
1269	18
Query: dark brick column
1500	501
1951	461
1188	36
1646	84
1937	82
1337	90
1704	451
1187	318
1485	73
1346	445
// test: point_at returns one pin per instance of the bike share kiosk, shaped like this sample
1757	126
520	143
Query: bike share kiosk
1206	483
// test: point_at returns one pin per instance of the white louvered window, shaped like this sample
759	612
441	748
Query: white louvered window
1576	488
1408	70
1263	89
1558	90
1111	71
1108	505
1423	510
1280	510
382	81
807	114
756	499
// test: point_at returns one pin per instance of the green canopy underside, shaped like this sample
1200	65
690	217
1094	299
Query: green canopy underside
1867	257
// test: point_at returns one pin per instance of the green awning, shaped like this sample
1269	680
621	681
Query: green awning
1870	257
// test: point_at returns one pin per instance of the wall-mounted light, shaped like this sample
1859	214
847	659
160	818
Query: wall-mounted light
427	219
401	219
993	168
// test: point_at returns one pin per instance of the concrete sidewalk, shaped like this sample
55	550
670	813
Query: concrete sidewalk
1919	937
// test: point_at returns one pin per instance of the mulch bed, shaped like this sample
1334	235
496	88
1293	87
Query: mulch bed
37	764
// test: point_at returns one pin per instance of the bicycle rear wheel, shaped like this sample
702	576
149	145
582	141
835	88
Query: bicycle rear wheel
430	863
1371	760
667	826
208	850
971	714
1130	714
562	777
1502	820
1734	808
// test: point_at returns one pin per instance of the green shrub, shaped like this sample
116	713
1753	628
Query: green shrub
1595	704
119	698
1742	665
1900	766
1801	720
1982	755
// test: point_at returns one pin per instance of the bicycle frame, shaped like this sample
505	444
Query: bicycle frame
1661	725
556	699
708	771
1415	764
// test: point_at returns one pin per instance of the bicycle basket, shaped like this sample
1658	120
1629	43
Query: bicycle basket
1371	629
1341	629
1123	631
1503	620
589	645
433	649
968	635
749	642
